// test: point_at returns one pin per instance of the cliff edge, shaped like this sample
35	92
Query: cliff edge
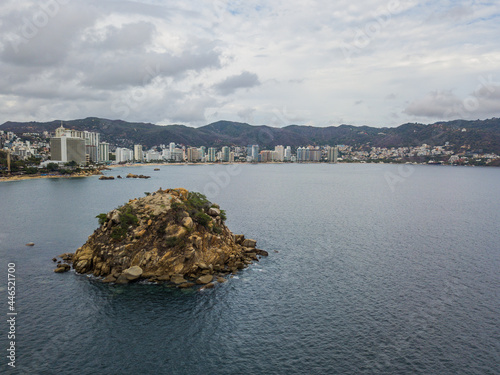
170	235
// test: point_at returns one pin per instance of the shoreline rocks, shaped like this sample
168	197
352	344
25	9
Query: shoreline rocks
172	235
131	175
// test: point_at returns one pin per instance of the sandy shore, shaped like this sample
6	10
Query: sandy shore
36	177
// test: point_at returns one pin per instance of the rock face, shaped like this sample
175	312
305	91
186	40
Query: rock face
171	234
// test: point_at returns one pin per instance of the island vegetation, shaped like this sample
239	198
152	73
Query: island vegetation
172	235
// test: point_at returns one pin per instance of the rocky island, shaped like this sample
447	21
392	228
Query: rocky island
170	235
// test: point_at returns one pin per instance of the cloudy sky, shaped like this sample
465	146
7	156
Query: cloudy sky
275	62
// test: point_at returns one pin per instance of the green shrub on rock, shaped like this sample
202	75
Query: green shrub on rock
202	218
102	218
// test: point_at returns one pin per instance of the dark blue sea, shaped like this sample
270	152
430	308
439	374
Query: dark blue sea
373	269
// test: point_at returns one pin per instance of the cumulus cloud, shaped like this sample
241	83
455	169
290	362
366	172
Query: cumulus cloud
179	61
436	104
244	80
483	102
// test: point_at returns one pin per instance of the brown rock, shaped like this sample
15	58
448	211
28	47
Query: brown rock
178	279
188	222
213	211
205	279
63	267
239	238
133	273
249	243
109	279
122	279
163	278
157	235
186	285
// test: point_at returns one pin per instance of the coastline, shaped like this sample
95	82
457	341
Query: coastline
112	166
36	177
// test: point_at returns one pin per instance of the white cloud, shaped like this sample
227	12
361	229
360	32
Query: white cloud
370	62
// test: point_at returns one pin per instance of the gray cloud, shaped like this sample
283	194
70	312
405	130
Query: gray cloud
111	71
241	81
132	36
43	36
484	102
145	60
436	104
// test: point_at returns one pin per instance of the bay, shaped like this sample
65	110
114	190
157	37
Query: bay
378	269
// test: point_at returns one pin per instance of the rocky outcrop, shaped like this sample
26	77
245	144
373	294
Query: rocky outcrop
171	236
131	175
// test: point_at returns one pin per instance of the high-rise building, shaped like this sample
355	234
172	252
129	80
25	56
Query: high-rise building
138	156
279	153
314	155
255	153
152	155
211	154
266	156
92	140
225	154
123	155
288	153
332	154
192	154
203	152
92	145
68	149
301	155
104	152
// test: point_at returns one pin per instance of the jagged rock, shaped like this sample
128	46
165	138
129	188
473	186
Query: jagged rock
260	252
109	279
178	279
66	257
252	256
188	222
249	243
202	266
122	279
213	211
62	267
239	238
163	278
166	234
205	279
132	273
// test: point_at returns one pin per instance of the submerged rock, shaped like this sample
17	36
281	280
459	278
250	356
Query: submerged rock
62	267
170	235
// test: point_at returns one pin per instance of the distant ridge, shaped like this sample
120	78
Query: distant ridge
480	135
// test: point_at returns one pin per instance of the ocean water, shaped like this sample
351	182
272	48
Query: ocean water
373	269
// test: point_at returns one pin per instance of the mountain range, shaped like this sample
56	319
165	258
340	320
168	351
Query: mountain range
478	135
